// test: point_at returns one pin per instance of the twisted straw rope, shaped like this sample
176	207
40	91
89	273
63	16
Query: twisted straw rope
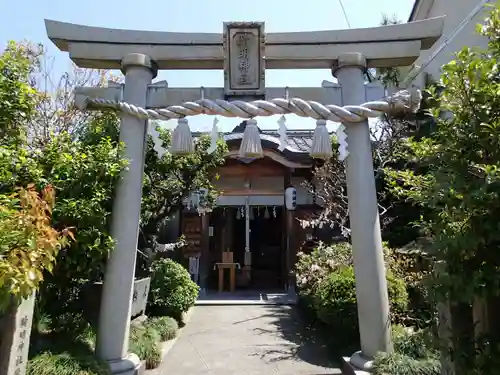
403	101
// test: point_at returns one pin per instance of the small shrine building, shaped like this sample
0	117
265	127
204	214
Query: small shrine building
251	222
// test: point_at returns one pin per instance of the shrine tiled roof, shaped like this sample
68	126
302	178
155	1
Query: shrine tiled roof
297	142
300	140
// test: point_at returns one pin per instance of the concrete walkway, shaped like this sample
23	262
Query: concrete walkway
247	340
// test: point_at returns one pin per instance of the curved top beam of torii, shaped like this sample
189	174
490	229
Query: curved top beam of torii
384	46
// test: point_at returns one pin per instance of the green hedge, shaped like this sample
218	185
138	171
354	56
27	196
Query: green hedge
334	300
172	292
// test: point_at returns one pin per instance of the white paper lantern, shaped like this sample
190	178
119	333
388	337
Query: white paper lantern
291	198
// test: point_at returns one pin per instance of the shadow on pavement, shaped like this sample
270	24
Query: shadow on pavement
302	341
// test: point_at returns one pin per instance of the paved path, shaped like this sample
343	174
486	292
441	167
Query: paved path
247	340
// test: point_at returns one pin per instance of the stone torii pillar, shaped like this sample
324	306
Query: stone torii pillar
114	318
371	284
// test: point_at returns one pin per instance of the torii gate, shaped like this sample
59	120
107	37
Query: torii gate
244	51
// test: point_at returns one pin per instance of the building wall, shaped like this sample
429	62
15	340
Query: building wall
455	11
261	183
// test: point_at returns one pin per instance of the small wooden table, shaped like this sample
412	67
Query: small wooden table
232	275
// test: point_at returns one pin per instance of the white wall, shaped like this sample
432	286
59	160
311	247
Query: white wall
455	11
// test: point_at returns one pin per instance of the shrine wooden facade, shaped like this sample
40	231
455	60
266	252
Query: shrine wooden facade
251	220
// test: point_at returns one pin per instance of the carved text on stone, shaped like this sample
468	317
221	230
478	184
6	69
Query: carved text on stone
244	60
242	40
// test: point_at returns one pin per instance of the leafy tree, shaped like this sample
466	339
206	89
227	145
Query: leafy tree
17	96
388	134
460	190
45	141
169	179
85	173
28	243
28	249
329	180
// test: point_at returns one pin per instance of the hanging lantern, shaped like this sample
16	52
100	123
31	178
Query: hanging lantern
266	214
238	214
182	139
202	202
321	146
291	198
251	146
282	133
187	202
251	213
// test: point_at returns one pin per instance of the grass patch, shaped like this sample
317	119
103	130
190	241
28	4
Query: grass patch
414	354
145	342
401	364
70	350
66	363
166	327
64	353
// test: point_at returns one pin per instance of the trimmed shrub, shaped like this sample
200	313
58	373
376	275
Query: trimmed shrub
166	327
334	301
66	363
172	292
145	342
323	260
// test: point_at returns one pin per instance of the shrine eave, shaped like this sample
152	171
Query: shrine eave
383	46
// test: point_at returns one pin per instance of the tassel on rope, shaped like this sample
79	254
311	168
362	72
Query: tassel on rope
321	146
342	139
282	133
251	146
182	139
214	136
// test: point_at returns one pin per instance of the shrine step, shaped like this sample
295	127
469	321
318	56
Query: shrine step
247	298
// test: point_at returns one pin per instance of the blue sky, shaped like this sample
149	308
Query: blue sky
25	20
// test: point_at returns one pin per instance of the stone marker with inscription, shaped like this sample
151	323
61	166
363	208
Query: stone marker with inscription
244	62
15	347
